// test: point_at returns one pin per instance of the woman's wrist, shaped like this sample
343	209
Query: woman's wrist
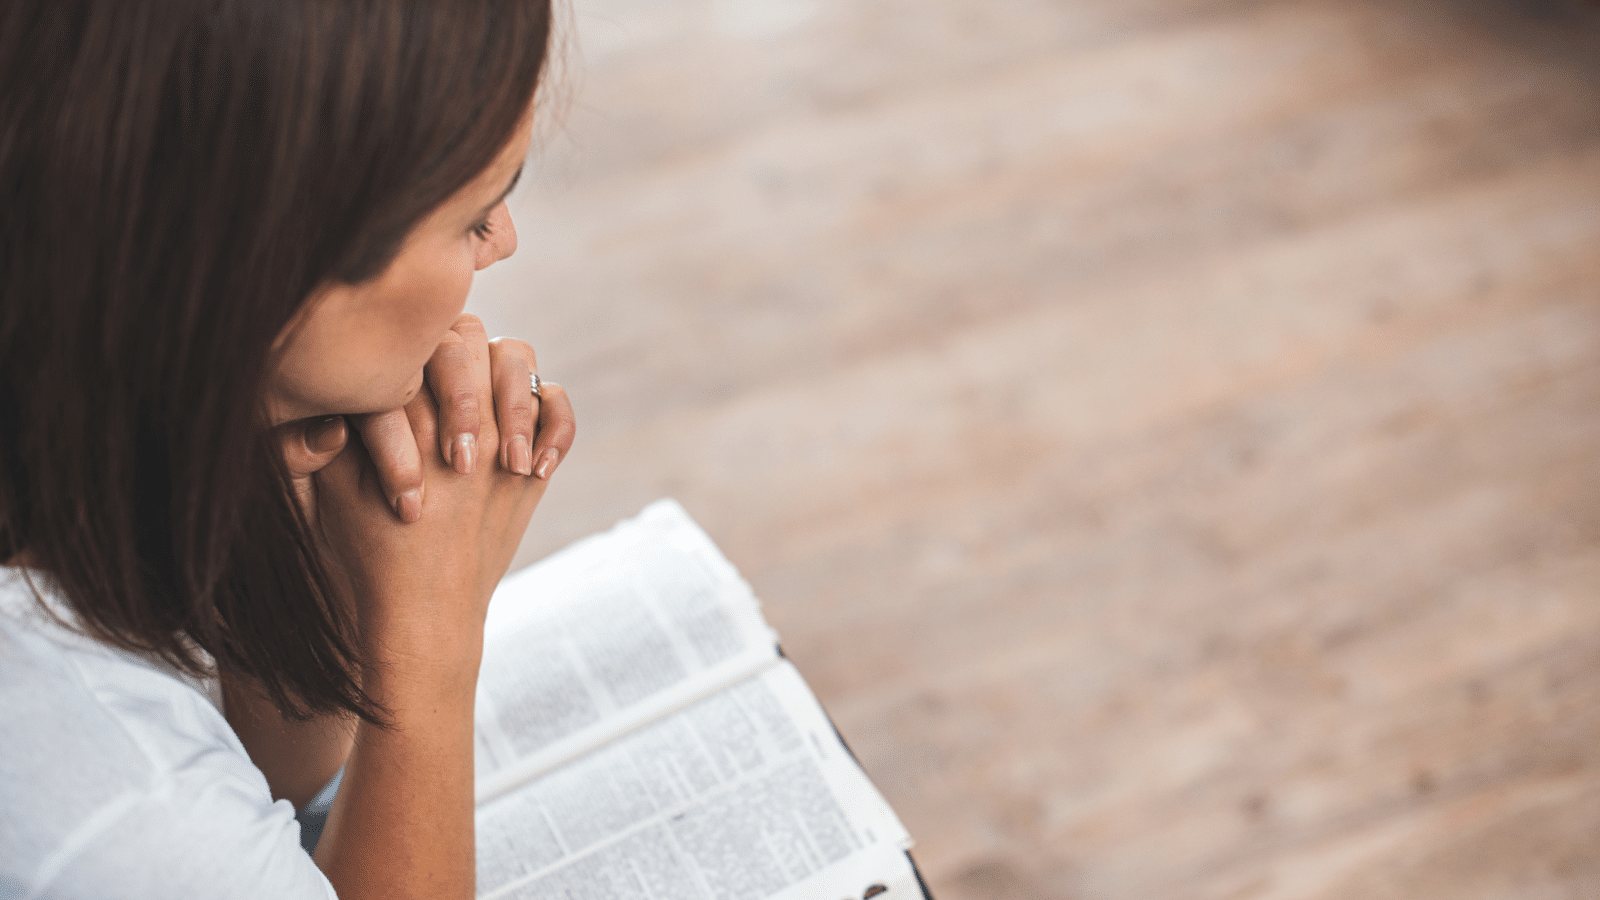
408	655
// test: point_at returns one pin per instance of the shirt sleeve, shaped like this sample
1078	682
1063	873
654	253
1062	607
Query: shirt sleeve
193	835
121	782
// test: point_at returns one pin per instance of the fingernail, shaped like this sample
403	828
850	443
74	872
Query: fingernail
465	446
408	506
325	435
521	456
548	462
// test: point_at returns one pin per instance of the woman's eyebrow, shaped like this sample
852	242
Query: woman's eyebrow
516	177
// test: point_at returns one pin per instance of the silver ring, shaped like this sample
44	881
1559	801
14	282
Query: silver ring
533	381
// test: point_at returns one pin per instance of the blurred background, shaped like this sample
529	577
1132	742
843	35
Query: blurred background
1166	433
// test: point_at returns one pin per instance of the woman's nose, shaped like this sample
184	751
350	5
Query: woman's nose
502	240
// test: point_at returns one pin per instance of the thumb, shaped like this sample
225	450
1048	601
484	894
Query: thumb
308	445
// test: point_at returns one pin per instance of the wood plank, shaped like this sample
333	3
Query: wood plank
1164	431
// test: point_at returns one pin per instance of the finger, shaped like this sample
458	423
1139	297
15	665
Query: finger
422	414
557	429
347	476
449	377
458	375
394	451
514	403
307	446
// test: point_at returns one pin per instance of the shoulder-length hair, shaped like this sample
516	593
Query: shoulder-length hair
176	178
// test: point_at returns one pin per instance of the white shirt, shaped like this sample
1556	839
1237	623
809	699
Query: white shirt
119	779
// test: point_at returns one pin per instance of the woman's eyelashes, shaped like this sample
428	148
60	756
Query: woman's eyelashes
482	230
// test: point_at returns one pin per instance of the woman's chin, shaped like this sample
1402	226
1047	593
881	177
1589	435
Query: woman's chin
413	388
391	400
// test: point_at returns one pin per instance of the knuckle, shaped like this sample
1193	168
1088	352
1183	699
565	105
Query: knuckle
520	407
463	401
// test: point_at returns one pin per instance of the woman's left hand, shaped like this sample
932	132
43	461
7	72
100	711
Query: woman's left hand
298	757
535	433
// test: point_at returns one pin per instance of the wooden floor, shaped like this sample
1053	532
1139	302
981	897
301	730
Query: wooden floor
1166	432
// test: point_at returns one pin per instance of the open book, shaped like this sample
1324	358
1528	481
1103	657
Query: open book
640	737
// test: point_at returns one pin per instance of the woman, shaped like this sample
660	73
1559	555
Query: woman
230	228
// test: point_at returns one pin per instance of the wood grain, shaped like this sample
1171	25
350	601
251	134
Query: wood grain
1167	434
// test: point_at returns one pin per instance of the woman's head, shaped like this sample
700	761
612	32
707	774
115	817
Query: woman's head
356	348
200	197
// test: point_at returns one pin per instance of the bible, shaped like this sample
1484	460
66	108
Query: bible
640	736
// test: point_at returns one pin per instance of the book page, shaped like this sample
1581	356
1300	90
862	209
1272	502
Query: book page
746	794
605	635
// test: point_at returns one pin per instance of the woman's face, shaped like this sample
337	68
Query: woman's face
361	348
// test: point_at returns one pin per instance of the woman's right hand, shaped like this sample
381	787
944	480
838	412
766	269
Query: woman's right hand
419	586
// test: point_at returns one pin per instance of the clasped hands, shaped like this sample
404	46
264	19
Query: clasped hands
476	399
421	523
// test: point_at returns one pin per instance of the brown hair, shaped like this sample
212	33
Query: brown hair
177	177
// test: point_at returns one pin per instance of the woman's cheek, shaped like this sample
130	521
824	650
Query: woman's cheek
434	292
451	282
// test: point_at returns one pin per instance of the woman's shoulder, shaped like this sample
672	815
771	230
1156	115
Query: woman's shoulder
70	702
94	686
112	765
